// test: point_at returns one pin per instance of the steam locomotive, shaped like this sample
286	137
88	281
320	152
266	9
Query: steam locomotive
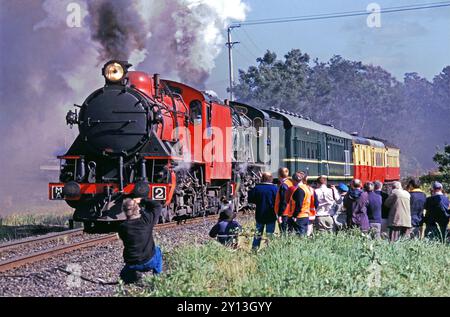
193	150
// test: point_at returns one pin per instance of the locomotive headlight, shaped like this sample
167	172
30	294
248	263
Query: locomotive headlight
114	72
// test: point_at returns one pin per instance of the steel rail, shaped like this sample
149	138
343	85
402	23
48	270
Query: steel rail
46	254
32	240
38	256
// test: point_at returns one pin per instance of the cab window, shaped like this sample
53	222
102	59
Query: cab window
195	109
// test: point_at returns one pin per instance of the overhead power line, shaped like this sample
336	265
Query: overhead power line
325	16
341	14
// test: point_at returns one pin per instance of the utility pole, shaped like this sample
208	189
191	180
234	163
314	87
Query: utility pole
230	45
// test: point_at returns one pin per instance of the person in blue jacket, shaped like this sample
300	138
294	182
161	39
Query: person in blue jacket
418	199
373	207
226	230
263	196
438	214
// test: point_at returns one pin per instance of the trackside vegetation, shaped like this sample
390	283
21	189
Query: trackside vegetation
16	226
347	264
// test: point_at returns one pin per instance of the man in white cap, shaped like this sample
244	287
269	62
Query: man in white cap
438	214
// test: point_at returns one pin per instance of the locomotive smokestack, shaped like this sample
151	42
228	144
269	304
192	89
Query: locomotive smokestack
157	83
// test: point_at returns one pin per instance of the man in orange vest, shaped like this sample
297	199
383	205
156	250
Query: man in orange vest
300	204
281	202
312	206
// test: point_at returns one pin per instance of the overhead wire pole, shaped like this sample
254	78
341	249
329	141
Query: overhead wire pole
230	45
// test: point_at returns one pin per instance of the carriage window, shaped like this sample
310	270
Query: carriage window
195	111
347	163
208	115
296	147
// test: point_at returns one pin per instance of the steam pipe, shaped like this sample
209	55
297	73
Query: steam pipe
144	170
81	172
121	173
157	84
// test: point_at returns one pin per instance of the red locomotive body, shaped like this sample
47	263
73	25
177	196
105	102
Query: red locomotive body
140	130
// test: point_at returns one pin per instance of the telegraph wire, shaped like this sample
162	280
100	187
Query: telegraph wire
341	14
409	6
234	25
244	56
251	40
247	50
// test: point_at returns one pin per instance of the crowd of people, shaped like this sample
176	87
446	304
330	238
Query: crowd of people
302	209
298	208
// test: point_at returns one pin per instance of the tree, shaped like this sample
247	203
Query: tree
443	160
275	82
356	97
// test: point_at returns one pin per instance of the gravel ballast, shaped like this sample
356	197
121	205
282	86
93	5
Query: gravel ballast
98	266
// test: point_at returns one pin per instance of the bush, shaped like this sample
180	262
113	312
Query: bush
428	179
443	176
18	226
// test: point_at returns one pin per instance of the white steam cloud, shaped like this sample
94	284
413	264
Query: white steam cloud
178	38
47	66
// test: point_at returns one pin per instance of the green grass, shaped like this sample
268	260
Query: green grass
36	219
16	226
326	265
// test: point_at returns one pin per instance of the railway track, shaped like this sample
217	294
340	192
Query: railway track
33	240
58	250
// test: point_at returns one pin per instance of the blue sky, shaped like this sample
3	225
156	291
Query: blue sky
412	41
